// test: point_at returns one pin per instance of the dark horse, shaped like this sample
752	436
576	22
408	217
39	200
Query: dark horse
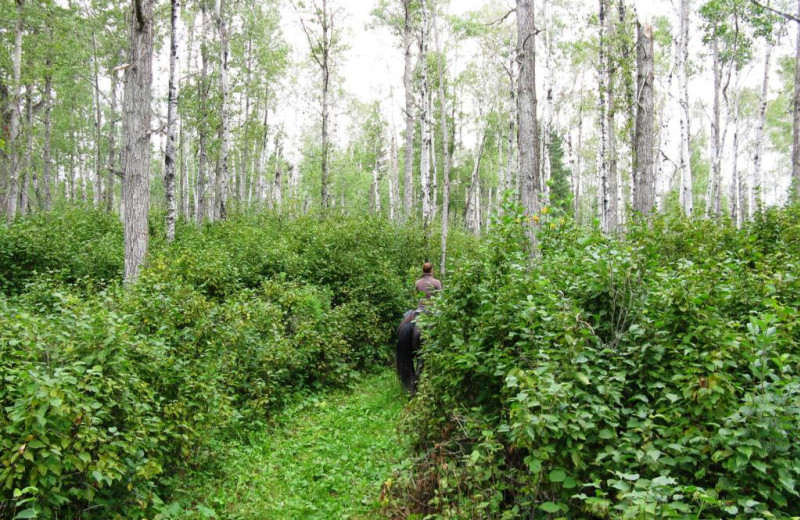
408	343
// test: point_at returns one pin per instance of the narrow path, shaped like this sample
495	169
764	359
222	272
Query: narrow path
327	460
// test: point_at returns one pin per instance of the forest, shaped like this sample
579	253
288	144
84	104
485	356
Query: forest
216	212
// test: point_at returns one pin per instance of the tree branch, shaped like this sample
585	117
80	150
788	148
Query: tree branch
790	17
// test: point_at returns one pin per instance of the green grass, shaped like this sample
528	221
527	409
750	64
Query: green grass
327	459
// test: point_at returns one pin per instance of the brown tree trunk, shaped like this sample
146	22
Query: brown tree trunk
528	136
137	141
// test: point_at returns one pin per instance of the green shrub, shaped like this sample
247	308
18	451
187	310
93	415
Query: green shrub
647	376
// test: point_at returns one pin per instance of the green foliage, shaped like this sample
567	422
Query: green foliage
109	393
650	376
561	196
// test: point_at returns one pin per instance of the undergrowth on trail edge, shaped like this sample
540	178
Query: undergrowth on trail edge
653	375
112	394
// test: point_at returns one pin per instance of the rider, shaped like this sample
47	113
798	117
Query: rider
427	284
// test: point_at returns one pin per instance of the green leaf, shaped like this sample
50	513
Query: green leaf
557	475
27	513
550	507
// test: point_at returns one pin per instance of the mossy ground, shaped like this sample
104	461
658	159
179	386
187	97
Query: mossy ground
327	459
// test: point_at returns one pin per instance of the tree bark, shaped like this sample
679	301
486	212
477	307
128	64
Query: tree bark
425	122
796	117
172	114
223	174
757	178
527	137
547	106
644	200
686	191
473	212
605	117
137	141
48	125
201	191
712	192
445	150
409	137
27	170
98	128
13	167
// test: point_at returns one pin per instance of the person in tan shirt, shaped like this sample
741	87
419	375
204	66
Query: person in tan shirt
427	284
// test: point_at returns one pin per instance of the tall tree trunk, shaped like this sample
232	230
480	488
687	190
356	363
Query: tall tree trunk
172	114
201	191
46	181
25	166
579	165
796	117
736	202
686	190
112	145
425	122
408	71
72	168
606	116
223	175
757	178
243	191
98	128
473	212
13	168
644	200
394	178
665	163
528	135
277	190
445	149
137	141
510	182
547	105
712	192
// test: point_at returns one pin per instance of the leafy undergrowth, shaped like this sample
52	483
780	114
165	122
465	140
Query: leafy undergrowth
326	458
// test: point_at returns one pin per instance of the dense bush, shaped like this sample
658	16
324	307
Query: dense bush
110	393
647	376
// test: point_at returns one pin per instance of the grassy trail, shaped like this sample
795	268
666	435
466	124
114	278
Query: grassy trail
327	459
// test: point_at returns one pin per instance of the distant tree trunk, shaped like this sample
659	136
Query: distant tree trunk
137	141
686	191
757	178
510	182
46	181
606	130
26	166
663	160
547	108
201	191
796	117
528	135
277	190
644	200
408	72
223	175
13	167
736	203
172	114
445	149
473	212
579	166
243	191
72	168
712	192
112	145
394	179
264	185
98	128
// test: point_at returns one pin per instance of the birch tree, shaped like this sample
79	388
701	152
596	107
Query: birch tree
12	194
644	200
172	112
223	174
686	196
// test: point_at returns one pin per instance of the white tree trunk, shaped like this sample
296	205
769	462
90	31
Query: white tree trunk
547	105
137	141
644	200
172	114
757	177
713	189
796	116
425	123
201	191
223	173
686	191
13	167
408	71
98	126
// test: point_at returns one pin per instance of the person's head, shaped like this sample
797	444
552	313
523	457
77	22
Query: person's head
427	267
